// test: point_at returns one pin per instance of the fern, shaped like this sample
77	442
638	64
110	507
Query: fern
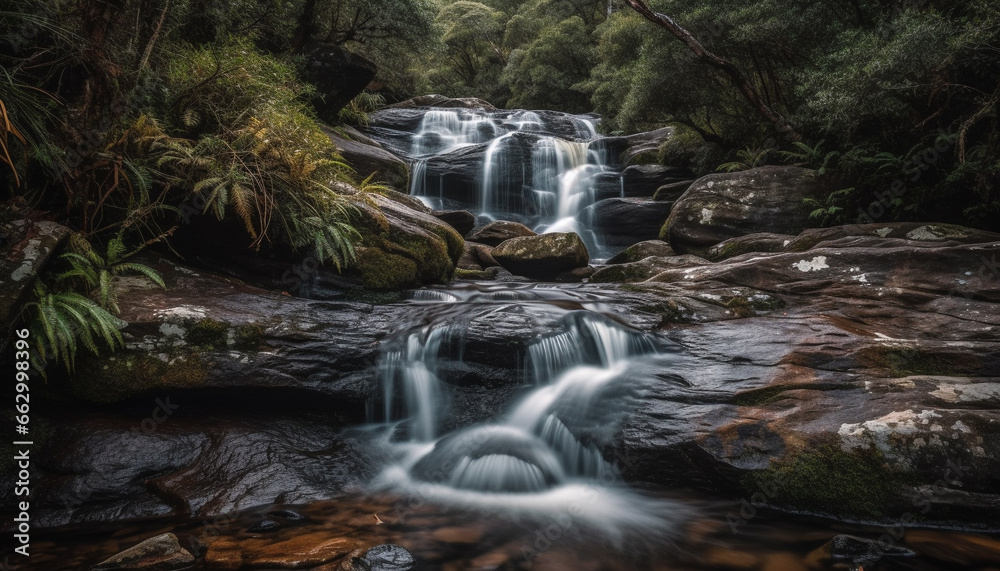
97	272
748	158
62	319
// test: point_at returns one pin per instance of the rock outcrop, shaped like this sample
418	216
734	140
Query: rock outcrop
722	206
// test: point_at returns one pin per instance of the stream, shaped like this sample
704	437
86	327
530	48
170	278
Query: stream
490	425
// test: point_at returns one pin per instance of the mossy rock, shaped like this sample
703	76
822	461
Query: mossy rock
828	480
124	374
403	248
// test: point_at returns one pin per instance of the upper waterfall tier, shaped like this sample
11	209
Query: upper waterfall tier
540	168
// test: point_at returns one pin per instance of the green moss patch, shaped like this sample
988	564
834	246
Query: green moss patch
906	361
828	480
119	376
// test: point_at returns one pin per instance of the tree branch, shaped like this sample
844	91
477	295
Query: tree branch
736	77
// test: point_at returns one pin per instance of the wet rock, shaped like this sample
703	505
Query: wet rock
642	148
636	252
310	550
387	557
264	526
30	247
371	160
643	269
673	191
621	222
860	550
443	101
544	256
402	247
722	206
288	515
160	553
642	181
462	221
494	233
758	242
911	231
469	259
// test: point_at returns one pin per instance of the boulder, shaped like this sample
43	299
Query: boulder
409	249
642	148
759	242
672	191
636	252
484	255
642	181
160	553
339	75
621	222
544	256
722	206
462	221
30	245
469	259
643	269
385	557
495	233
371	160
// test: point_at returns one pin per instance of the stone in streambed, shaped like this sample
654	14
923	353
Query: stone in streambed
495	233
386	557
636	252
264	526
160	553
857	550
304	551
722	206
370	160
462	221
759	242
544	256
644	269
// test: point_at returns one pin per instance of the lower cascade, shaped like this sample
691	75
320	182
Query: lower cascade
546	448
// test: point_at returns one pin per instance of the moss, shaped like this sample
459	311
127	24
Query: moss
668	311
679	150
826	479
382	270
906	361
122	375
487	274
621	273
248	337
374	297
748	306
208	334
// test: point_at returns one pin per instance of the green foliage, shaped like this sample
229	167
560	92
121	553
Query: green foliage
96	272
63	319
831	210
811	157
259	153
748	158
358	110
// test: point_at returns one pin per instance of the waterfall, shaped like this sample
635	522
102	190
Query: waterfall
541	168
443	130
541	442
414	366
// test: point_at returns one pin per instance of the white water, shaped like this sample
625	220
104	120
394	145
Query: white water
543	180
545	454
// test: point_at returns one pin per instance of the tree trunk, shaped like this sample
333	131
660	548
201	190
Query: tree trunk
735	76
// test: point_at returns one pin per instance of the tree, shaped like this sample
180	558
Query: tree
781	124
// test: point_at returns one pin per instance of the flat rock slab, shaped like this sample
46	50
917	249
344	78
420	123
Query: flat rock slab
160	553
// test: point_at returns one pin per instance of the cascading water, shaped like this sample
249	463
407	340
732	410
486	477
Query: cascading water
540	169
547	448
